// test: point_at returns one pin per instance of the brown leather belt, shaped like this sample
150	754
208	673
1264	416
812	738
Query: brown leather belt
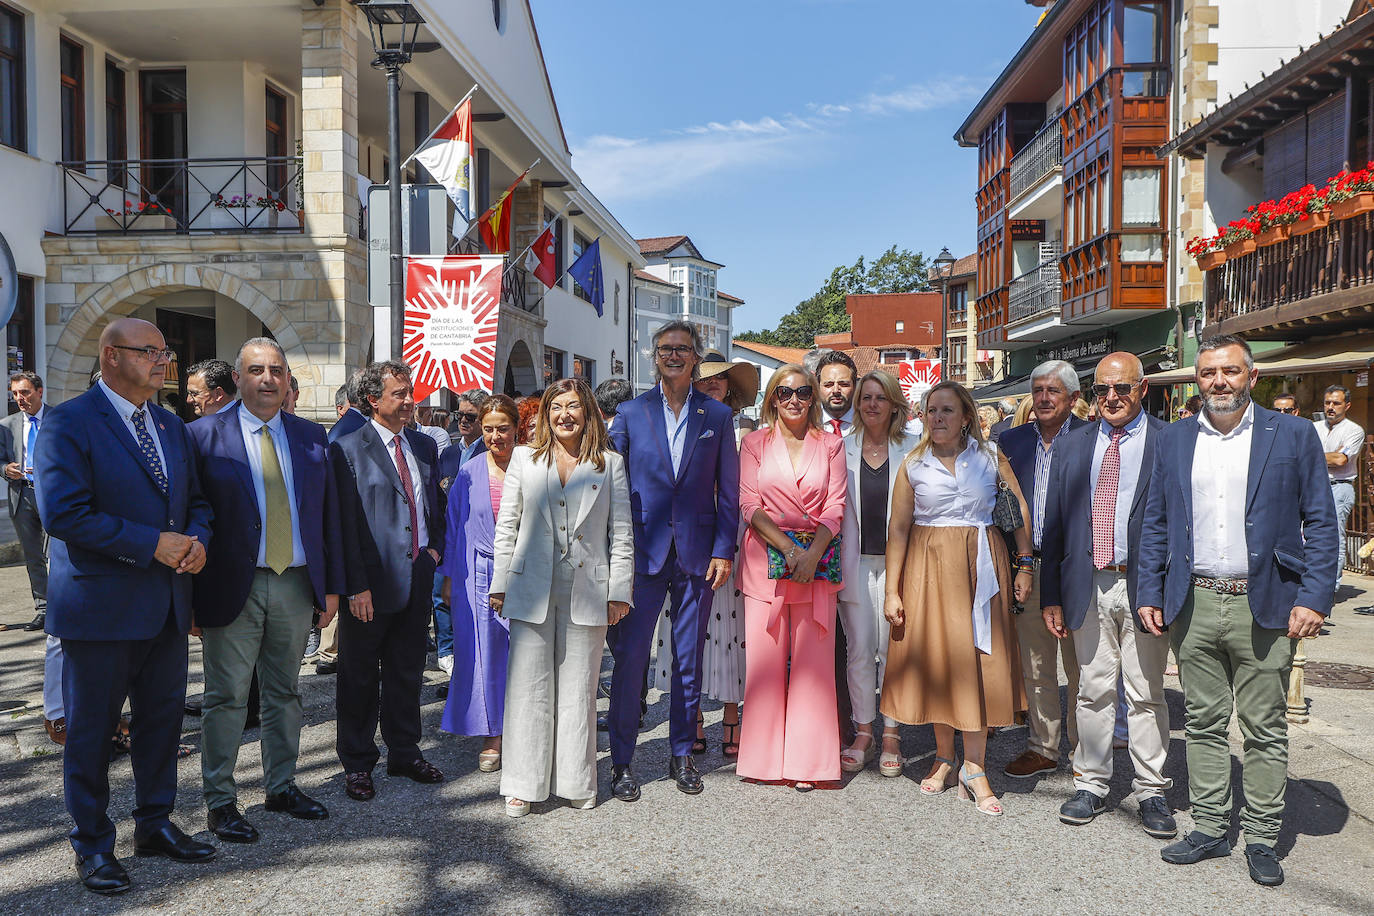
1223	586
1115	567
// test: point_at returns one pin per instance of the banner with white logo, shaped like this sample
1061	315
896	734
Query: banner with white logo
453	304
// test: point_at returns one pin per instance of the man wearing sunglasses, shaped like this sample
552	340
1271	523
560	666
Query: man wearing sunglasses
1286	403
1087	587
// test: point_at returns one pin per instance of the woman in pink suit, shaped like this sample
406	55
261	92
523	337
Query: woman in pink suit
792	481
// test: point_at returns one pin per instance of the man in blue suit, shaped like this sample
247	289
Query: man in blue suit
1098	487
278	558
679	449
1030	450
1238	559
119	496
350	418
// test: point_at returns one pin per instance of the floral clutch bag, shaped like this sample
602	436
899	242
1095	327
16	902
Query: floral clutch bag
828	568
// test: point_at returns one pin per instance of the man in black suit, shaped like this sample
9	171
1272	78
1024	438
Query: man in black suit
393	536
1098	487
1030	451
350	418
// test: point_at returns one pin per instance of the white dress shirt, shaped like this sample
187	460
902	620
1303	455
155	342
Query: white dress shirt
846	422
126	409
1345	437
677	430
1221	472
31	421
417	483
249	426
1043	462
1132	448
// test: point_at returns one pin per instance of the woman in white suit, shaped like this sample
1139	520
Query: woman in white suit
563	572
873	454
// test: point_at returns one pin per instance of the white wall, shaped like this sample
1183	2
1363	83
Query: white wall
573	325
1255	36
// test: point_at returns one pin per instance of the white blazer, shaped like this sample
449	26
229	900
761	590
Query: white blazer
602	539
852	590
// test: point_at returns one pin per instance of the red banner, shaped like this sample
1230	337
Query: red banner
452	307
917	376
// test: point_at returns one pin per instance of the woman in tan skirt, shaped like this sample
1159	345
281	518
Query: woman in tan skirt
952	656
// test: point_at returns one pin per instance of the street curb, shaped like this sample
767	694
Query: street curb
11	553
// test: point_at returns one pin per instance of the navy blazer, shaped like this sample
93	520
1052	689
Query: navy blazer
696	510
221	589
1066	545
104	511
352	419
1019	445
1290	521
375	519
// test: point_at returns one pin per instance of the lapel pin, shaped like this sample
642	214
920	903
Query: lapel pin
699	410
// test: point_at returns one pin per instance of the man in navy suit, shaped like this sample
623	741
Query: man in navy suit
1088	556
679	449
278	558
1030	450
119	497
393	537
349	419
1238	559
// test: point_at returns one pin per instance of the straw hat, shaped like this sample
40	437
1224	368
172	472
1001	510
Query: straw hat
743	379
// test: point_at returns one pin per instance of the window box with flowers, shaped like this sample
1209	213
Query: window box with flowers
1351	193
229	213
145	216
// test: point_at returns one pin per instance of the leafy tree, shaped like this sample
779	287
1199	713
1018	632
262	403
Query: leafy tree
823	313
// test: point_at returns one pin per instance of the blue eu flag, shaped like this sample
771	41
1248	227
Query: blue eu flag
586	270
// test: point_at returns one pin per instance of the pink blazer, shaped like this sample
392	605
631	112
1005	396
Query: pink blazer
796	501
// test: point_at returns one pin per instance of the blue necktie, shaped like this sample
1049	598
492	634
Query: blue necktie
149	451
28	447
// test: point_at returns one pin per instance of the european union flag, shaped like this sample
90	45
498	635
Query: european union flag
586	270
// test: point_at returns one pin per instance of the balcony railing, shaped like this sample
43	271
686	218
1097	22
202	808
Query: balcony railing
1335	257
1042	155
1034	293
182	195
514	278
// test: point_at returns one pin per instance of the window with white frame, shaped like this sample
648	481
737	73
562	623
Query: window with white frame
13	101
553	365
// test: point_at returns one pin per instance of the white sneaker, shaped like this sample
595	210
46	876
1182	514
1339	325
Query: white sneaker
446	663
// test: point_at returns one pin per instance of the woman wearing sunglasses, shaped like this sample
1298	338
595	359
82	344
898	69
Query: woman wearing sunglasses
792	492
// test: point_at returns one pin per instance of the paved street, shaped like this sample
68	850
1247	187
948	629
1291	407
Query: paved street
874	845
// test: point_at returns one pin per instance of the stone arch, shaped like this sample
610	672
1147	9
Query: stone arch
76	352
521	374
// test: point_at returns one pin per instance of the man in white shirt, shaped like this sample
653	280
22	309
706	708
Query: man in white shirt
18	435
1342	439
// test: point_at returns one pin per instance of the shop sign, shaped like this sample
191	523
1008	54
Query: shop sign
1362	379
1027	230
1075	350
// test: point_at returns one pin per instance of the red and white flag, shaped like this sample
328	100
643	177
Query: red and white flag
917	376
447	156
453	304
540	260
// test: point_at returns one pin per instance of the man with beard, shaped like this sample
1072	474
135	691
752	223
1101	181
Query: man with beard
1237	561
1341	438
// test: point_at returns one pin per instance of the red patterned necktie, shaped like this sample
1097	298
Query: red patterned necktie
835	425
408	484
1104	502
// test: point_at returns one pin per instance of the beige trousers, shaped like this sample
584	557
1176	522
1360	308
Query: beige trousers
1040	652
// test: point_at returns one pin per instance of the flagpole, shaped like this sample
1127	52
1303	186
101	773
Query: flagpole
526	250
488	210
441	123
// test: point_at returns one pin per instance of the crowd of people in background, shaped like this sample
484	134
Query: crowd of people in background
849	559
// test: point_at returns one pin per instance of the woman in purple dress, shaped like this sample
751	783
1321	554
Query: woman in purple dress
481	639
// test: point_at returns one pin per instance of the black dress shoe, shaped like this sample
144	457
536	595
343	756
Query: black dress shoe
194	709
359	786
1081	809
1156	819
102	873
228	823
328	666
36	623
1195	847
1264	864
683	771
419	769
624	786
171	841
297	804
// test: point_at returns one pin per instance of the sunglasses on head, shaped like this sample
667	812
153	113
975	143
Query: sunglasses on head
786	394
1122	389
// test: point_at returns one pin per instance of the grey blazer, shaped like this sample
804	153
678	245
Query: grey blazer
602	539
12	443
851	589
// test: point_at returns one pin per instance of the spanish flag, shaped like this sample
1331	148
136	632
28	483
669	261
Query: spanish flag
495	223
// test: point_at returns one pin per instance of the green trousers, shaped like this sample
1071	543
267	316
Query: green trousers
270	633
1227	660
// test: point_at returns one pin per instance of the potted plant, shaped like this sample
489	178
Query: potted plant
1204	249
1313	208
1238	238
273	207
1351	193
300	184
144	216
229	212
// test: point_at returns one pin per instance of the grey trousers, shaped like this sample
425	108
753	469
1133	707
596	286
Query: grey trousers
270	633
33	540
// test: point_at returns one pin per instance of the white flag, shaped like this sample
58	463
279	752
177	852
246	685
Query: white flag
447	156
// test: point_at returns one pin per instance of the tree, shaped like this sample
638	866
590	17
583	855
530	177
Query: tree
823	313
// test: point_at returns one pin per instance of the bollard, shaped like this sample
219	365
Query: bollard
1297	703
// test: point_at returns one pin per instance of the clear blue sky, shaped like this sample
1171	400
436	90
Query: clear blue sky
786	137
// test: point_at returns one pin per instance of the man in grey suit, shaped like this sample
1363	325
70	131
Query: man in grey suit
17	451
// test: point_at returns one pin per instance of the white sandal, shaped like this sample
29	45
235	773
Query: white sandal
928	784
891	764
516	807
852	761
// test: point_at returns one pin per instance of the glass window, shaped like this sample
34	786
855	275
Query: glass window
1137	248
275	144
13	106
1142	33
580	243
585	369
1140	197
116	117
73	101
553	365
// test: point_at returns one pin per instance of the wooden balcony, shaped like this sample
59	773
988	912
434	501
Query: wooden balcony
1322	281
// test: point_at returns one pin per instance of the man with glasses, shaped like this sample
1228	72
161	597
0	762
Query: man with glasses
18	435
679	450
119	496
1342	439
1094	509
210	386
1286	403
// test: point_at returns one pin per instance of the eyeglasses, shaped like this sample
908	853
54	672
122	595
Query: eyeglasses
786	394
467	418
666	352
1286	409
156	354
1121	388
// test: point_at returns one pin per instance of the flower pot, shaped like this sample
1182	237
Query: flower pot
230	219
1362	202
1211	260
1272	236
1240	249
1313	222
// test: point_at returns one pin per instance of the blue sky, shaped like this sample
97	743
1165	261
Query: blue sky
786	137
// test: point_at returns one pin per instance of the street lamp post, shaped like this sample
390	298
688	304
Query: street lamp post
944	266
394	26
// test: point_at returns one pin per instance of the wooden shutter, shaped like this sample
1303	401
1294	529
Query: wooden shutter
1325	139
1285	158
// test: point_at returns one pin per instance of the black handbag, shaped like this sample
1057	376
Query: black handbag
1006	510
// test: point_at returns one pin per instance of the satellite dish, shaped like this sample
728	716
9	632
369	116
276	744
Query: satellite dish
9	282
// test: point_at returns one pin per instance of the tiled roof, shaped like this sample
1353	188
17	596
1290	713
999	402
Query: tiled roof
965	266
727	296
784	354
660	244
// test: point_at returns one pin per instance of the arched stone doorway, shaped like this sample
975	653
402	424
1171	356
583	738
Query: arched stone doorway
520	372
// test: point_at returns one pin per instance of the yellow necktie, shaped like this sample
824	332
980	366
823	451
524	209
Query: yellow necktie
278	521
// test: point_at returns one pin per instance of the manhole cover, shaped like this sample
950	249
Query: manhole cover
1347	677
7	705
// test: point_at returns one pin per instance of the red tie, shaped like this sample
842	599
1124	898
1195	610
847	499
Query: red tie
1104	503
404	469
835	425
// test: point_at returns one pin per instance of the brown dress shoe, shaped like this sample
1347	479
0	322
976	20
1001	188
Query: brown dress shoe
359	786
57	730
1029	764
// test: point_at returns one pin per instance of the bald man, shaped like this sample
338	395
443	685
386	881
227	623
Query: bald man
1087	587
118	495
